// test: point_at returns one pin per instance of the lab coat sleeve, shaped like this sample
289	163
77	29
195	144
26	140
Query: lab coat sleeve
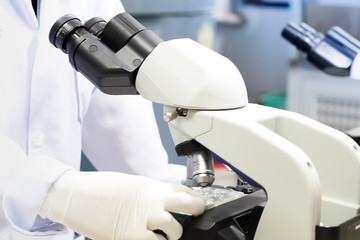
120	134
105	9
23	187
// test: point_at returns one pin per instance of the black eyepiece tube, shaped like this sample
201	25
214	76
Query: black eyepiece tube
62	29
297	36
308	28
96	25
119	30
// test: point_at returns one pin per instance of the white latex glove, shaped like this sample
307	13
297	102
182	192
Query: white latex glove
109	205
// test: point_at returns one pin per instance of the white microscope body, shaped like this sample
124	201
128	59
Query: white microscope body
310	172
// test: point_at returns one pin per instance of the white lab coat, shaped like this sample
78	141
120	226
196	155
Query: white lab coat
49	109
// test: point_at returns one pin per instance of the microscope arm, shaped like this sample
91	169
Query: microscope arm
286	153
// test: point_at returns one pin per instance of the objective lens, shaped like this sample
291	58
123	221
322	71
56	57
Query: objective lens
200	167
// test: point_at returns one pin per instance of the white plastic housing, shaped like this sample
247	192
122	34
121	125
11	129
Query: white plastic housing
183	73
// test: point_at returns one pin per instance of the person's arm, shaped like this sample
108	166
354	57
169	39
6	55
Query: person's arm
120	134
100	205
23	187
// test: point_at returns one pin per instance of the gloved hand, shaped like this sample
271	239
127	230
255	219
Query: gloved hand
109	205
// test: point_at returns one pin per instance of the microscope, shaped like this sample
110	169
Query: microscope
335	53
307	174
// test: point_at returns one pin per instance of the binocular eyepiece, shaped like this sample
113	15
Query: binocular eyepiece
107	53
64	28
302	36
114	34
332	53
